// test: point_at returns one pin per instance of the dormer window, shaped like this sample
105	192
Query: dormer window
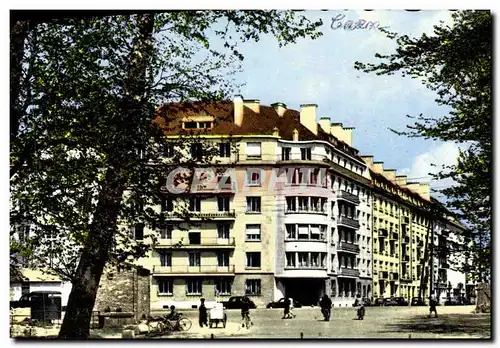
197	125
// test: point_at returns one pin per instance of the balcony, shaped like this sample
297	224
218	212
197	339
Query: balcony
393	236
348	222
205	243
405	240
348	197
405	278
306	210
193	270
405	258
349	272
384	275
349	247
196	215
394	276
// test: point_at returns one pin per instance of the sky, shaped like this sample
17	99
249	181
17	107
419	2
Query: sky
322	72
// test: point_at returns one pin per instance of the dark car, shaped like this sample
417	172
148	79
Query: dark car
365	301
26	300
235	302
378	302
401	301
281	304
456	301
417	301
390	302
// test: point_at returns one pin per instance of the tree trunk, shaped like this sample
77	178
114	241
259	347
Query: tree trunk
76	324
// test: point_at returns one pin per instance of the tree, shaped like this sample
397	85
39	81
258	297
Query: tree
455	62
85	136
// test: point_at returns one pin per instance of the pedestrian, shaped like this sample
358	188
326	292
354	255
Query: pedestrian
292	315
326	305
286	309
203	314
432	306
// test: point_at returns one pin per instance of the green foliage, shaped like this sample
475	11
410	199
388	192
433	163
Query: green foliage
84	150
455	62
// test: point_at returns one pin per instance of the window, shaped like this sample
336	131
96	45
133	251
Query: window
166	232
223	231
190	125
252	287
223	203
334	288
225	150
303	232
167	204
303	259
315	259
303	203
223	287
166	260
305	153
315	204
196	151
313	177
291	204
315	232
253	204
253	150
193	286
194	259
223	258
168	150
138	232
253	260
204	125
194	238
291	231
253	232
253	178
194	203
285	153
165	286
25	288
290	259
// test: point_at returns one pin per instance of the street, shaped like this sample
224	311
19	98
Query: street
379	322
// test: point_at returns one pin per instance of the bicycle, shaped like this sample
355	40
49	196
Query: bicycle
165	324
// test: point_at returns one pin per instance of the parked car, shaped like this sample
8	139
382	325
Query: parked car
281	304
235	302
378	302
365	301
390	302
26	300
401	301
417	301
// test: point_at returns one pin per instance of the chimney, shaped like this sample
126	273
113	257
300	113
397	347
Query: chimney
378	167
337	130
253	104
308	117
324	123
295	135
390	174
401	180
276	132
280	108
348	135
368	160
238	110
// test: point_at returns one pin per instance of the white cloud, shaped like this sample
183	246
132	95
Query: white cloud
444	154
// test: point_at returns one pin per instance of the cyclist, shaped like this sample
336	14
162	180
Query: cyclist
173	315
245	311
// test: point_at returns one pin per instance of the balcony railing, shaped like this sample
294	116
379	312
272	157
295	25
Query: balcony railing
351	247
394	236
405	240
202	215
306	266
204	242
203	269
350	272
307	210
347	196
347	221
405	258
394	276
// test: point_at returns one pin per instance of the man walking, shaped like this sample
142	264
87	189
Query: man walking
203	319
432	306
326	305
